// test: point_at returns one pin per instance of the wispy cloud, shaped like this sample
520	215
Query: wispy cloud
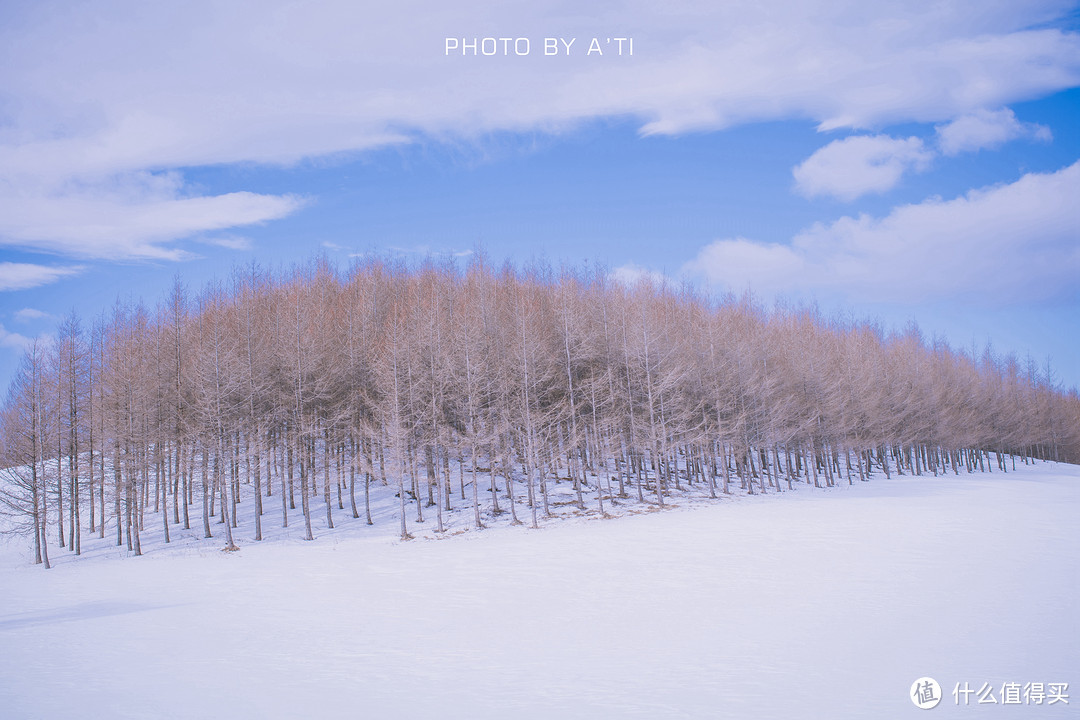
423	250
229	242
134	217
994	246
27	315
23	276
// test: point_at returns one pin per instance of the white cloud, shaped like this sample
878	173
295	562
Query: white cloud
13	340
229	242
993	246
861	164
423	249
986	129
31	314
630	275
98	92
131	216
22	276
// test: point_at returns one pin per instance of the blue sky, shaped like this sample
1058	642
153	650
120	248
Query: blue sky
905	161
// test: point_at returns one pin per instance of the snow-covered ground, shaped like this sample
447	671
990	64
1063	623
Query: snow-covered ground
809	604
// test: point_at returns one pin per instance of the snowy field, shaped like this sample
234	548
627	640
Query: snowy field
818	603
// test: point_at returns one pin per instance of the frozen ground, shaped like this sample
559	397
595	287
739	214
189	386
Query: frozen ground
810	604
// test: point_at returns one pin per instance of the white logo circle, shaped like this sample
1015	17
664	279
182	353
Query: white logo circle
925	693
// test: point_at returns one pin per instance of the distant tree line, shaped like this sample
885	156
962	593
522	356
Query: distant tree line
322	387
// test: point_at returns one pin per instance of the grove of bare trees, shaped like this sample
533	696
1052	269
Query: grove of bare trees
478	389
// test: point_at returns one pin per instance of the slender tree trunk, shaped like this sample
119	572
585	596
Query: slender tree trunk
475	490
224	500
257	467
164	501
326	483
186	474
494	487
304	495
352	488
117	490
44	543
206	511
401	496
367	498
37	514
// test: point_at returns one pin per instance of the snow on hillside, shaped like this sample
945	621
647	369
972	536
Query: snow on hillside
818	603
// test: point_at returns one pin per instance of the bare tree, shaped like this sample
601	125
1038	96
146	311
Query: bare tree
391	374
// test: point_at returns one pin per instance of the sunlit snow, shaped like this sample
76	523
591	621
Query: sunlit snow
817	603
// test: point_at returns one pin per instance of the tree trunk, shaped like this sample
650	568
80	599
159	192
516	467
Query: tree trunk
206	493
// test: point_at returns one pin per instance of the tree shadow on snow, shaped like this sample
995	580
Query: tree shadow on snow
81	611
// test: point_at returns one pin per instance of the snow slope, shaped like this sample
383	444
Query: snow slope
815	603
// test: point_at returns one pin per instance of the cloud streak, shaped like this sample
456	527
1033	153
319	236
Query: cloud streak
133	216
27	315
23	276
